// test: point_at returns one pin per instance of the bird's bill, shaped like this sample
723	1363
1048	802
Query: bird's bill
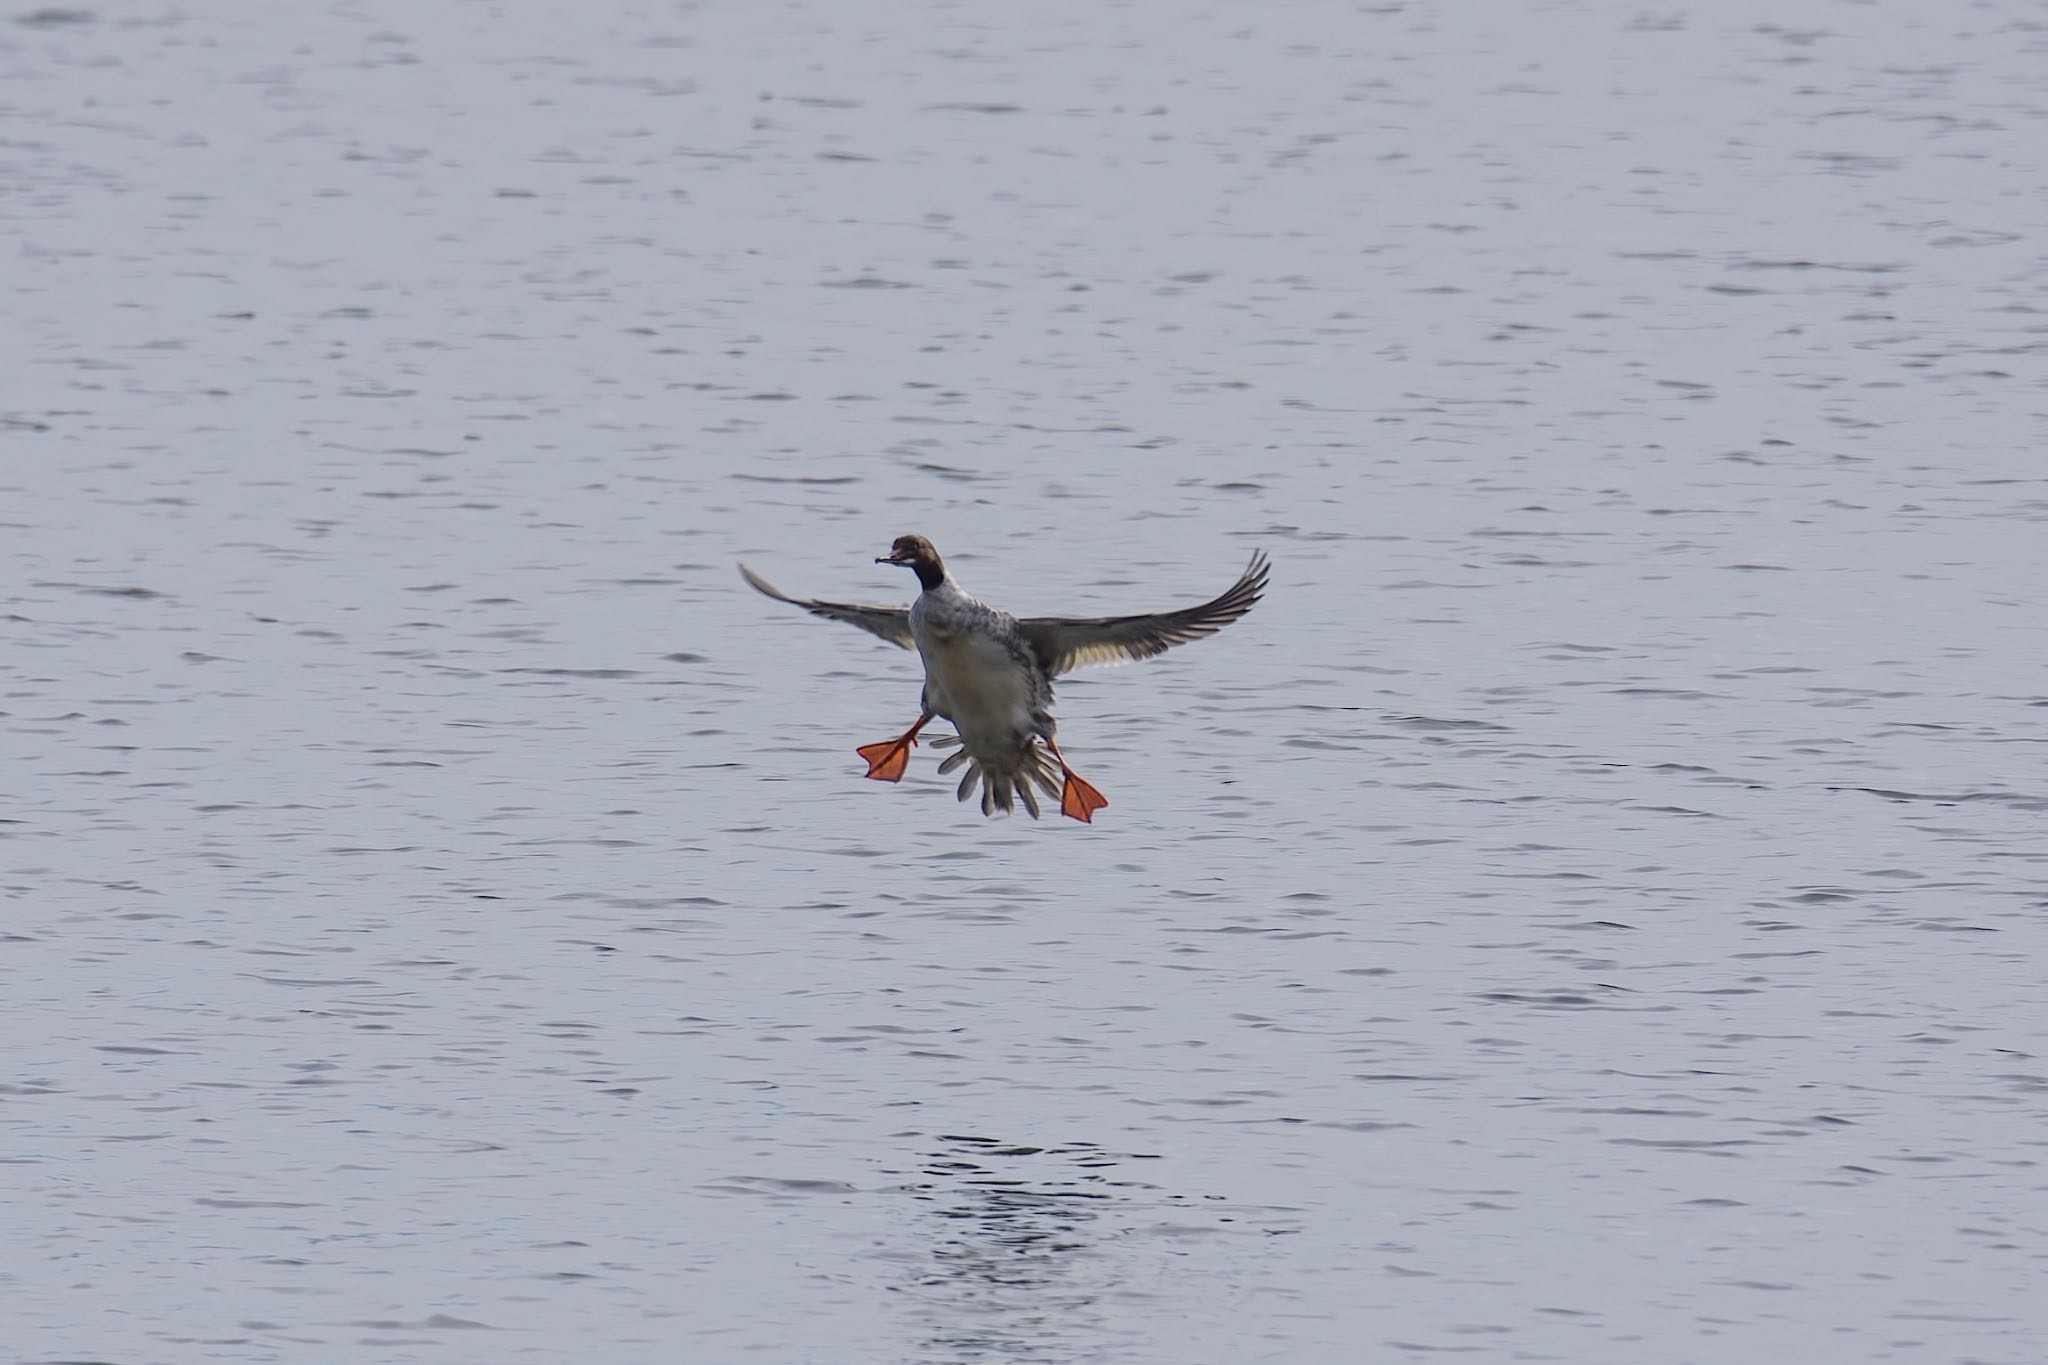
893	557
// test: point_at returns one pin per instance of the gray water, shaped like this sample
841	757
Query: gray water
1592	911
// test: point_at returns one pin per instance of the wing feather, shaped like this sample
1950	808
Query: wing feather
891	623
1065	643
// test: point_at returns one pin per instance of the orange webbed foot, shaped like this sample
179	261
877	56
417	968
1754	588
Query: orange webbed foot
1080	800
887	759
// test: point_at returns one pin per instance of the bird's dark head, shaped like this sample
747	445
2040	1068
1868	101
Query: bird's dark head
919	554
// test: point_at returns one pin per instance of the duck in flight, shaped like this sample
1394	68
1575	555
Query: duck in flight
991	674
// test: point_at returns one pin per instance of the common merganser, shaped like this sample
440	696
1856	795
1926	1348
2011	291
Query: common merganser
990	674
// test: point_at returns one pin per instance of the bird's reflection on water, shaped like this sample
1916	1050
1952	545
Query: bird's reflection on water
1006	1275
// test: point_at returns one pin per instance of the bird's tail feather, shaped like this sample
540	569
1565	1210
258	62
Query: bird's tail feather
1004	778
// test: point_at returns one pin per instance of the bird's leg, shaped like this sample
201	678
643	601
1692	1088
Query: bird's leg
888	759
1077	798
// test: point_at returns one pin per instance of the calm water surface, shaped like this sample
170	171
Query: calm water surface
1593	911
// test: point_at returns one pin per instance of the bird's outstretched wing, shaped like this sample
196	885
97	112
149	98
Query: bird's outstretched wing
891	623
1065	643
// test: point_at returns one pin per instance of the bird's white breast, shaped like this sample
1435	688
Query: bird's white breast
975	679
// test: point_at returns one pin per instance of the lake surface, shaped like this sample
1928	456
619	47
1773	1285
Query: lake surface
1594	910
